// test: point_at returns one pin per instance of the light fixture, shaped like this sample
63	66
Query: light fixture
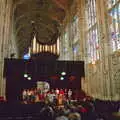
26	56
29	78
63	73
61	78
25	75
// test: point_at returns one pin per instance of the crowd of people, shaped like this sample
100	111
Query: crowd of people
76	110
59	104
56	96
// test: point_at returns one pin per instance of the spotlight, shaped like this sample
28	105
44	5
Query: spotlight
26	56
29	78
61	78
25	75
63	73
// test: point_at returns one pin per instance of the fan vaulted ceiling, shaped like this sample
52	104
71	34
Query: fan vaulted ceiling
44	16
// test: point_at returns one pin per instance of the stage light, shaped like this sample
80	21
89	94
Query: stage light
29	78
26	56
61	78
63	73
25	75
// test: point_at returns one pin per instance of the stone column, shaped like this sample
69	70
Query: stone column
98	77
104	49
80	4
82	26
6	13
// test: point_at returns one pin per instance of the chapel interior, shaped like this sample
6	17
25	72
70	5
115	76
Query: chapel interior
65	30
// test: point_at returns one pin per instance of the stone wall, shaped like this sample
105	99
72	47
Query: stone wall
102	78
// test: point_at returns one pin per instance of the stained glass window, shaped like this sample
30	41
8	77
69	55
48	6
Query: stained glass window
92	33
91	13
76	51
75	29
65	45
71	40
76	37
114	21
111	3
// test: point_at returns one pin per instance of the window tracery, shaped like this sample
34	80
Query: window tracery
92	32
114	22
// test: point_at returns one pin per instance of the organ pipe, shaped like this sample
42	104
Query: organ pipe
45	48
29	51
58	45
37	47
40	46
34	44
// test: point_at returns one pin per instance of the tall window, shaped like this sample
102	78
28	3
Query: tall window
114	21
75	37
111	3
65	45
75	29
92	32
93	45
71	40
114	31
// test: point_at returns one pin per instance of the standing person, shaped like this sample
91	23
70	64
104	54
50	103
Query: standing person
66	93
24	96
37	96
60	97
29	94
69	95
57	91
53	96
61	91
65	97
32	95
60	100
